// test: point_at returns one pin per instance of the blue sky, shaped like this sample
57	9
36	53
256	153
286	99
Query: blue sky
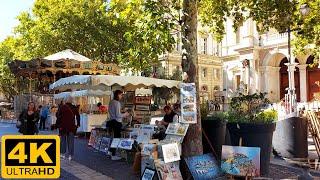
9	10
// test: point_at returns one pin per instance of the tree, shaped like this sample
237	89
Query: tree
7	81
275	14
111	31
193	140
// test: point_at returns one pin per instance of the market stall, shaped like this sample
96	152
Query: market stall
87	100
136	102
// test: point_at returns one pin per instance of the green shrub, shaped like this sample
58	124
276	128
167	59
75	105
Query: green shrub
218	116
250	109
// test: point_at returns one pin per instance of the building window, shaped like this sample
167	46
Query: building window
238	36
204	72
204	46
216	74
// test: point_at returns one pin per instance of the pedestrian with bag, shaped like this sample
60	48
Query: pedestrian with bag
28	119
66	117
115	122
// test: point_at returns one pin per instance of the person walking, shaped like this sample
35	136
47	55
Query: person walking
66	116
28	119
44	112
115	122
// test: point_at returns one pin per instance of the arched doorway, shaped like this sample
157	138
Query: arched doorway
313	78
284	80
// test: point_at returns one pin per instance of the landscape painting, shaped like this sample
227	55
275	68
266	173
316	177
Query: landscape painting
203	167
240	161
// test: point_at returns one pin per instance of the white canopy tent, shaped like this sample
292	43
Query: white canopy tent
103	81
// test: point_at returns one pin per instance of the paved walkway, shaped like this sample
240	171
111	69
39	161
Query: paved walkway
89	164
79	171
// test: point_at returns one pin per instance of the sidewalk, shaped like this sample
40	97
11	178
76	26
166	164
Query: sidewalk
89	164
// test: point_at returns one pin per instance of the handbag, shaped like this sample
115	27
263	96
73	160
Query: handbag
18	124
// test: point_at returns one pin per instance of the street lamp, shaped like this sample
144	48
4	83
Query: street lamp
290	97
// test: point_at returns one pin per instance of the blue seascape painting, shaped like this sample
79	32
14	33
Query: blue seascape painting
203	167
241	161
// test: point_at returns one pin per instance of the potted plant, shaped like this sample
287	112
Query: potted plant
214	126
252	125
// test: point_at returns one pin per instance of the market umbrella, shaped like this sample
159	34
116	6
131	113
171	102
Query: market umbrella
67	54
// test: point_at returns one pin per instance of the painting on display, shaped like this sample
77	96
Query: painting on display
129	97
240	161
174	138
92	138
170	152
177	129
105	144
97	142
146	100
148	149
168	171
148	174
144	137
188	103
134	135
142	108
203	167
115	142
126	144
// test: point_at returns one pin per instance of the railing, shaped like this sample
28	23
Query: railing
274	39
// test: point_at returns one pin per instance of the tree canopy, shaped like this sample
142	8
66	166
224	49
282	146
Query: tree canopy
276	14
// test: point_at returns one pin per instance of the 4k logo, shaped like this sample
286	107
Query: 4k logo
30	156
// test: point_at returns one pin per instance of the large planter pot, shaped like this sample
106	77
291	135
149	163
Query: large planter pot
254	135
290	139
215	130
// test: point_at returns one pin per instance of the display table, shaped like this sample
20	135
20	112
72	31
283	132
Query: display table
89	121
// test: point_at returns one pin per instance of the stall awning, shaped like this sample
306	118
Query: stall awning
97	81
82	93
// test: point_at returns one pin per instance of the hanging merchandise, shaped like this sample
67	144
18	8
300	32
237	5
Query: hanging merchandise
188	103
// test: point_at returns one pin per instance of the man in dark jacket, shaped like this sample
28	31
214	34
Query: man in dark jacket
67	128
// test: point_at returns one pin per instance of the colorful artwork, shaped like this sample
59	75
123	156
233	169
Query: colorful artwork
170	152
144	137
142	107
177	129
92	138
168	171
143	100
126	144
129	97
240	161
115	142
97	142
105	144
134	135
148	149
174	138
148	174
203	167
188	103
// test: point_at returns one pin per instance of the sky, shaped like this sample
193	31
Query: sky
9	10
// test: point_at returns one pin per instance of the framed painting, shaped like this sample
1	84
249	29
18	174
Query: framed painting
148	174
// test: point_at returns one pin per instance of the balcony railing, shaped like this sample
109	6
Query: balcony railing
274	39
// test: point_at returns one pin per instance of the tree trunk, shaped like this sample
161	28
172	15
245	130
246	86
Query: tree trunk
192	144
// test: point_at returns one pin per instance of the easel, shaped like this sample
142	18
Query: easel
314	128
